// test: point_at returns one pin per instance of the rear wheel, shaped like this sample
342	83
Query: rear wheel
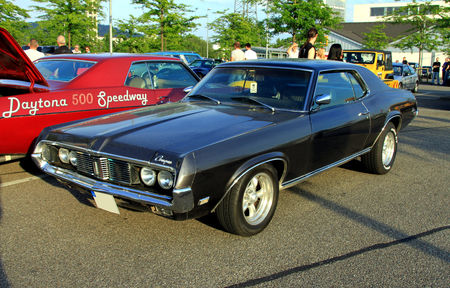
382	156
248	208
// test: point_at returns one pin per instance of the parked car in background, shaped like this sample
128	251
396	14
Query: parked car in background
187	57
64	88
407	77
425	73
202	66
247	130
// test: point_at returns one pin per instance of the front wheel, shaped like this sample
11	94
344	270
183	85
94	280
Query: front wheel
382	156
248	208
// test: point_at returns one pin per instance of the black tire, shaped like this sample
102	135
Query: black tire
382	156
260	208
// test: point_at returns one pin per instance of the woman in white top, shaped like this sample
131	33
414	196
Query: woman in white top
293	51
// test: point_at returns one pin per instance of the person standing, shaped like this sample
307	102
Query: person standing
293	51
249	53
321	54
335	52
436	67
87	49
237	54
62	48
32	53
76	50
445	71
405	61
308	50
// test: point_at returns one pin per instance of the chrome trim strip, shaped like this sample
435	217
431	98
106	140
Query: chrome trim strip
295	181
181	202
112	156
21	84
249	169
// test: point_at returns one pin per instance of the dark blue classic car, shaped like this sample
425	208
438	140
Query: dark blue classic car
246	131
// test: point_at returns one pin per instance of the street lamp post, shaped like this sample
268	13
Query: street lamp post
207	38
110	27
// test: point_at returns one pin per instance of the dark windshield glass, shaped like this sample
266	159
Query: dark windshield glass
398	70
62	69
278	88
359	57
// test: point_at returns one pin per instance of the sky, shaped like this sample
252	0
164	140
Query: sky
121	9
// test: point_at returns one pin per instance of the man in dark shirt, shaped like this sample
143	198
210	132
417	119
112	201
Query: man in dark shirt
62	49
436	66
405	61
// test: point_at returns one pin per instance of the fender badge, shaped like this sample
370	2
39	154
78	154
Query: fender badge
161	159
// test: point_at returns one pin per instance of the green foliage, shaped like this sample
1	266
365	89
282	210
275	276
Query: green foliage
71	19
296	17
376	38
167	20
232	27
430	24
12	18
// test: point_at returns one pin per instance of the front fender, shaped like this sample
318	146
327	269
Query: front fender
278	159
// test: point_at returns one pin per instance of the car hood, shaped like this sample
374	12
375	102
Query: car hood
170	129
15	65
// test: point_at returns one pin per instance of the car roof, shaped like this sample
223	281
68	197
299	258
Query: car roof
308	64
105	56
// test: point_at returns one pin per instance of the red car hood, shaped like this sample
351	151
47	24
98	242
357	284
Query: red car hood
15	65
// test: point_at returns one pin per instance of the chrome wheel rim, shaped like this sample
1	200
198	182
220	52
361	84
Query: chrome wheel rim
388	149
258	198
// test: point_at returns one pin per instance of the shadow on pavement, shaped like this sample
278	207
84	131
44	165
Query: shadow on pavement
3	278
399	237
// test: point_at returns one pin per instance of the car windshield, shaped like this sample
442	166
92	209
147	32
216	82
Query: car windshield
398	70
277	88
359	57
191	58
202	63
62	69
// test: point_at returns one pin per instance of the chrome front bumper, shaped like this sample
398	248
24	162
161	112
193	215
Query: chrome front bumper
182	200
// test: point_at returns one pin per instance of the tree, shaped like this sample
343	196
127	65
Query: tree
296	17
376	38
426	19
232	27
75	19
131	40
166	19
12	18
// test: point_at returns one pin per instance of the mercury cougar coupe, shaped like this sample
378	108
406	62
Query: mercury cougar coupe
246	131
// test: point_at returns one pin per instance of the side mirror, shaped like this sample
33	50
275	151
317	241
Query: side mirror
323	99
188	89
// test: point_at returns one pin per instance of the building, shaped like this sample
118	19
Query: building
375	12
337	6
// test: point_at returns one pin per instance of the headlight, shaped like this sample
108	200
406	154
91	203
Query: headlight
73	158
46	153
63	155
148	176
165	179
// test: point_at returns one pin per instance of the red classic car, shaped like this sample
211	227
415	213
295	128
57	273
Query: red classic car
64	88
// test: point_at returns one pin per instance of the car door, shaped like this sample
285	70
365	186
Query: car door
408	77
340	127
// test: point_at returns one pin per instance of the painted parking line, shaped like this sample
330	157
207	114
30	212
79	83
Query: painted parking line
15	182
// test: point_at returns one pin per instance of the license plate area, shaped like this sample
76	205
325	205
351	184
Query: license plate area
105	201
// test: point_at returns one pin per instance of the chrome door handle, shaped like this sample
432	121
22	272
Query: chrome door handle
363	113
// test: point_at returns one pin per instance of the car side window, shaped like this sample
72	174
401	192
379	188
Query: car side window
359	88
138	76
337	85
170	75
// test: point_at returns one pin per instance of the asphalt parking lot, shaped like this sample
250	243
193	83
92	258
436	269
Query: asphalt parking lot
343	228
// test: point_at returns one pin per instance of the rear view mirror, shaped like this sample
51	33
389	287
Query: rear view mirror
323	99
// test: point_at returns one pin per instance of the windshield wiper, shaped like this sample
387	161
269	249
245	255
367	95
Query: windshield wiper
252	100
200	96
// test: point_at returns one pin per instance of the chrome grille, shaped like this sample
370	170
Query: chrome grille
104	168
119	171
